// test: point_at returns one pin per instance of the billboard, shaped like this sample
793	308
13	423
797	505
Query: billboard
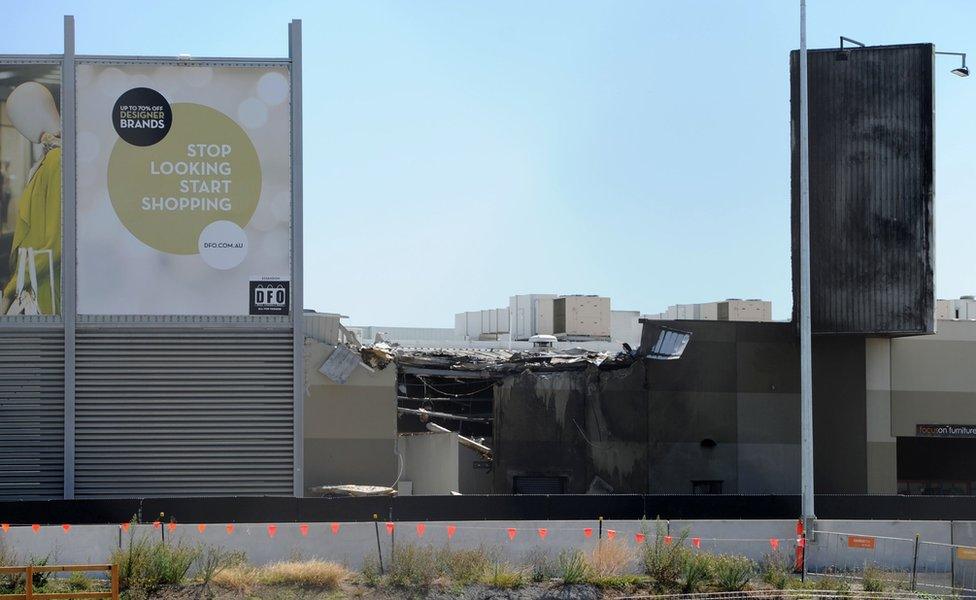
183	189
30	189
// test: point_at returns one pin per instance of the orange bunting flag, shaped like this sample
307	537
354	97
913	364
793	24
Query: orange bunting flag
451	529
303	529
66	527
667	540
171	526
157	524
611	534
272	530
125	527
201	527
36	528
588	532
773	543
543	532
421	528
512	532
335	529
230	528
696	542
5	527
639	538
389	527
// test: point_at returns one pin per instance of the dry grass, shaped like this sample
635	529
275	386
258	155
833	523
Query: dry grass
240	578
306	573
611	558
315	572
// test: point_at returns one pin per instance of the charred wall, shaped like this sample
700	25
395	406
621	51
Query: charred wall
871	189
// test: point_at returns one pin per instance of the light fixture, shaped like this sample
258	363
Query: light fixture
845	53
849	40
962	71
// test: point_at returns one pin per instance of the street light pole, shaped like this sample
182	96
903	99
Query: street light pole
806	359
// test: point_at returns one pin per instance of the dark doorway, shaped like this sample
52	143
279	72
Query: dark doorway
936	466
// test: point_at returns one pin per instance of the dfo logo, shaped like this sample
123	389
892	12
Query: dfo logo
269	297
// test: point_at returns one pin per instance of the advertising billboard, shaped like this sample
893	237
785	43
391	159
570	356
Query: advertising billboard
30	189
183	189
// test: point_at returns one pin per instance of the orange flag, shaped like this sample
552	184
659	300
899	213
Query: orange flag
125	527
66	527
696	542
5	527
588	532
639	538
171	526
543	532
773	543
451	529
667	539
421	528
611	534
389	527
272	530
201	527
335	529
512	532
36	528
230	528
157	524
303	529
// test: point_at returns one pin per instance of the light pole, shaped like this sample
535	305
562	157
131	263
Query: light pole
806	358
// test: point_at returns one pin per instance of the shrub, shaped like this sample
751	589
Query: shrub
215	560
78	582
732	573
610	558
872	579
370	573
413	567
505	577
311	573
665	563
540	563
465	567
774	571
148	565
697	572
573	568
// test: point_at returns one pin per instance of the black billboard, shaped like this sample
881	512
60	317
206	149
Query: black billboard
872	191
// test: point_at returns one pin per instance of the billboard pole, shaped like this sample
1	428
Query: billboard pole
806	359
68	265
297	304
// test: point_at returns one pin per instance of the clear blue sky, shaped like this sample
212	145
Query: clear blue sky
458	152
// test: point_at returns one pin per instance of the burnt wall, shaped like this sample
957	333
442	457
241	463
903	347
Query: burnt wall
871	189
578	425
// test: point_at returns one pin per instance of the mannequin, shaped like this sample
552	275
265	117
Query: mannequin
32	111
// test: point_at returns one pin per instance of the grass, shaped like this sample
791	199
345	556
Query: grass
732	573
573	568
306	573
611	558
503	576
148	565
663	560
872	579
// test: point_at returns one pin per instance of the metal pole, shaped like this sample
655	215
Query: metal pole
806	368
915	564
297	293
68	262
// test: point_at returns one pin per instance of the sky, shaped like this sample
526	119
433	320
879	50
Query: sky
459	152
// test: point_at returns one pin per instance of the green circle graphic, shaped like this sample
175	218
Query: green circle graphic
206	169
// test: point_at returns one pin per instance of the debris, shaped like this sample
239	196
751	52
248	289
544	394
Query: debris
340	364
464	441
352	490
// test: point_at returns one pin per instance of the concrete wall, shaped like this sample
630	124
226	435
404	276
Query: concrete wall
350	429
430	462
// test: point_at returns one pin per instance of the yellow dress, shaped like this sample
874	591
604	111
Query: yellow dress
39	227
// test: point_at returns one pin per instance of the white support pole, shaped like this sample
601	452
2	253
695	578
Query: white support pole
806	358
297	288
68	264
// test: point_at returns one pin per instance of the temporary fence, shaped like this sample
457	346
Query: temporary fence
895	563
30	571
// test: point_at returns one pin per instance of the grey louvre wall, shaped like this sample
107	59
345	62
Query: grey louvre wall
871	189
183	412
31	413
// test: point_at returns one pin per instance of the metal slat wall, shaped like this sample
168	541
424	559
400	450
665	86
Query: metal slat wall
872	194
31	413
188	412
